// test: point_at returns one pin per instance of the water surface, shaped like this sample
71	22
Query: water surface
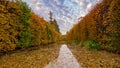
65	59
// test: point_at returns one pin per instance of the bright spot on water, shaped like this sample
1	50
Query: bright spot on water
64	60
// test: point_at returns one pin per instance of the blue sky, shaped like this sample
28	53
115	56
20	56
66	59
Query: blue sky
66	12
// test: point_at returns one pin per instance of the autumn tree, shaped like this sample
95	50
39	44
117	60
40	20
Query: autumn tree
53	22
55	25
100	25
113	29
9	22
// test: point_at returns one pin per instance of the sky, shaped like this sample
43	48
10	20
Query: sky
66	12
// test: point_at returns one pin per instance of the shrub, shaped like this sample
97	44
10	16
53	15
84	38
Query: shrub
25	40
92	45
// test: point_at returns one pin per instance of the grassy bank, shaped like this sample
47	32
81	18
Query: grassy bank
95	59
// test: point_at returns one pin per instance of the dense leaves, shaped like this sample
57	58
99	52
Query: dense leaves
20	28
24	39
9	21
42	31
100	25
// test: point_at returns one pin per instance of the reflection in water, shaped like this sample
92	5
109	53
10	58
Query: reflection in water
64	60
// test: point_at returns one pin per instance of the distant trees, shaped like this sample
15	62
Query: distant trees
51	16
101	25
55	25
42	31
53	22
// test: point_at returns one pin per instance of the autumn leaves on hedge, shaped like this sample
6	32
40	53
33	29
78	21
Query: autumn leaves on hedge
20	27
101	25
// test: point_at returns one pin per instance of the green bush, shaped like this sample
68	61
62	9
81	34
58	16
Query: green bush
76	42
92	45
25	40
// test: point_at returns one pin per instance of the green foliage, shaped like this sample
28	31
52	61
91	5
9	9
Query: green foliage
92	45
48	32
25	40
76	42
25	35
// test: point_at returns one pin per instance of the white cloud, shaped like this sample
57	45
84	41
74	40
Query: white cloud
81	4
89	6
66	12
37	8
34	1
38	3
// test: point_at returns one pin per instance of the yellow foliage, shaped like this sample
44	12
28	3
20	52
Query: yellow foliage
39	33
101	25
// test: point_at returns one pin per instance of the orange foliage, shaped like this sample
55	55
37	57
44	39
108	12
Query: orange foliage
101	25
39	32
19	28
